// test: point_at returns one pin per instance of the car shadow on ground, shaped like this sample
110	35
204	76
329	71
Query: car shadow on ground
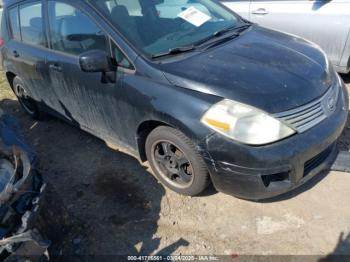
341	251
99	202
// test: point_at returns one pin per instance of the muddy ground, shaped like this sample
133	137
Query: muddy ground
103	202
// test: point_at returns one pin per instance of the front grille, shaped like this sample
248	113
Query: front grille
305	117
317	160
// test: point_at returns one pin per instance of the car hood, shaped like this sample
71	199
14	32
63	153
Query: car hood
267	69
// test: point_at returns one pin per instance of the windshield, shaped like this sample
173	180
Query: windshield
157	26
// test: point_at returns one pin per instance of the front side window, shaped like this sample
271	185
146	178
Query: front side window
14	23
31	23
120	58
73	32
155	26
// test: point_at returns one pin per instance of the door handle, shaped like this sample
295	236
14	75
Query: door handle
55	67
15	53
260	11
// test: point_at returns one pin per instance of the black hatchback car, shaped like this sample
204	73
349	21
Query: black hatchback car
200	93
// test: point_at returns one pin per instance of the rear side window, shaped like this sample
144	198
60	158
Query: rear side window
31	21
14	24
73	32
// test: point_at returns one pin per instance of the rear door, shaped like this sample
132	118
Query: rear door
241	7
324	22
26	51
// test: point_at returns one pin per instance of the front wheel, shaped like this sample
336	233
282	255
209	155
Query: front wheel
176	162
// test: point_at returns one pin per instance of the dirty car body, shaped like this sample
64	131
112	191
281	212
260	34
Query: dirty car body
180	76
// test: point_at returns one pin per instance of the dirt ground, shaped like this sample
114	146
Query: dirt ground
101	202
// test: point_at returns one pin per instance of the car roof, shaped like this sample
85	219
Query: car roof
8	2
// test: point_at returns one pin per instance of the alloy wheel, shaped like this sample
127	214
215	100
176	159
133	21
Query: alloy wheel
172	164
24	99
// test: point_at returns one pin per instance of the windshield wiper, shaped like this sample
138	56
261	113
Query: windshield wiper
217	35
175	51
238	29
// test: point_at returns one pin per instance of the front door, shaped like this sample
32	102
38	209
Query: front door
82	98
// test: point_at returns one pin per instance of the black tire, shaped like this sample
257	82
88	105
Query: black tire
27	103
181	148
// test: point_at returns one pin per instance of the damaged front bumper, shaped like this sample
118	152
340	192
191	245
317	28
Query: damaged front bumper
263	172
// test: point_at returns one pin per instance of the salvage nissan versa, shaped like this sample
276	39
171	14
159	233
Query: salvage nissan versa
203	96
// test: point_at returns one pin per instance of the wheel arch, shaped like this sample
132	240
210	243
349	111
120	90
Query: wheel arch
147	126
143	130
10	76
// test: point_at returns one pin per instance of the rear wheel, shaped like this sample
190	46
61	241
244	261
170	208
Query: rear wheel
176	162
27	103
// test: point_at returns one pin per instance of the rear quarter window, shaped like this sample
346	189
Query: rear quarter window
14	23
1	11
31	23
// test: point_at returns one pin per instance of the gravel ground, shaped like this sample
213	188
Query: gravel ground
103	202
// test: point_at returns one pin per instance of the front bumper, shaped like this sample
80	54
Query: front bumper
266	171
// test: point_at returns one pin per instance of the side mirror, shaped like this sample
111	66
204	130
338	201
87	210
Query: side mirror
95	61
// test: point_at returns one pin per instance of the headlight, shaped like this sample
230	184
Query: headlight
245	124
